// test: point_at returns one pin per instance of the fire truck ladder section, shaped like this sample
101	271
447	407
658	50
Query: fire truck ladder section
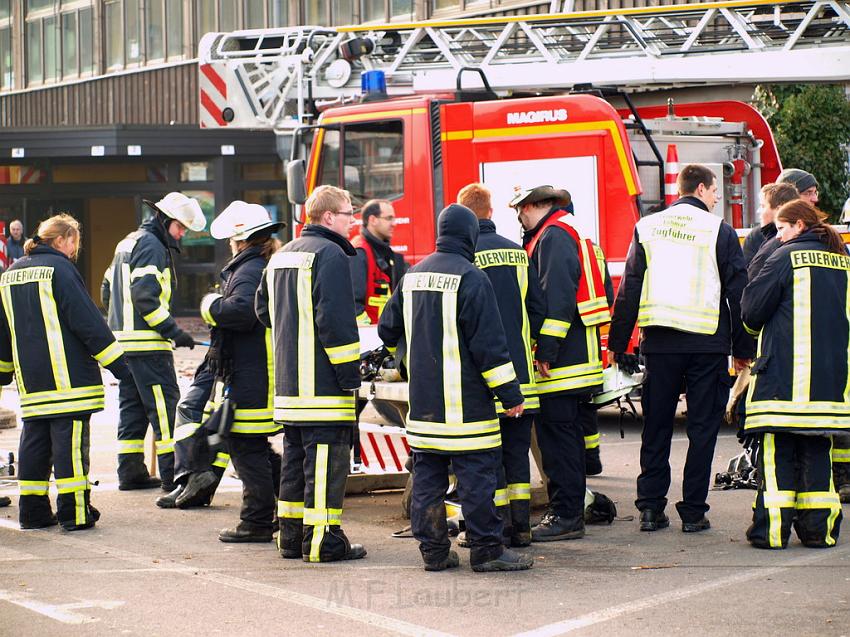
275	78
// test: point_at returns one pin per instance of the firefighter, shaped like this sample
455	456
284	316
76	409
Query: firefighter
240	359
52	338
458	360
798	395
682	283
376	269
522	309
568	355
306	298
137	290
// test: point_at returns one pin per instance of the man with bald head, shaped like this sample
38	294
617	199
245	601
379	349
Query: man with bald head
15	243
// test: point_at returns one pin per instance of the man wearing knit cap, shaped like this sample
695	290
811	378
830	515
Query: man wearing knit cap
805	182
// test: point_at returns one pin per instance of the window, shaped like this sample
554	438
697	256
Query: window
86	41
227	15
196	171
401	8
254	14
114	31
69	44
174	27
343	11
33	36
436	5
133	31
316	12
154	30
51	48
35	5
206	17
373	10
7	79
373	160
5	9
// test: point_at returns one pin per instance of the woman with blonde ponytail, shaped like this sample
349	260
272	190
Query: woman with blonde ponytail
52	338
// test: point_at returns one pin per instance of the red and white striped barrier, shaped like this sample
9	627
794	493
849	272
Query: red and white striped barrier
383	449
213	90
671	173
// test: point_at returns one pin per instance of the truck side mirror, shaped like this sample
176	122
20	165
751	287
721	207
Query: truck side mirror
296	182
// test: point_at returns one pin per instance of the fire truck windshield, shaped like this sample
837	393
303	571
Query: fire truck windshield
372	160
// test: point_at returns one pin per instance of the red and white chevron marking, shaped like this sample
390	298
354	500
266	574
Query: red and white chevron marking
671	173
213	90
383	449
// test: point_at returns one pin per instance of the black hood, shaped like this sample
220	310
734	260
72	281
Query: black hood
157	225
457	231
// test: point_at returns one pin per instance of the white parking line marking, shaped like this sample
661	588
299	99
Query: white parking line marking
606	614
369	618
61	612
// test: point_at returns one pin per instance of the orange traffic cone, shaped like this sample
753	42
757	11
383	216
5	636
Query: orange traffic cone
671	172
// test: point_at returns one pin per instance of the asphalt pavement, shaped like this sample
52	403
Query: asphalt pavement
146	571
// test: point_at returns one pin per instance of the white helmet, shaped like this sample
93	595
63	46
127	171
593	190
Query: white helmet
616	384
240	220
186	210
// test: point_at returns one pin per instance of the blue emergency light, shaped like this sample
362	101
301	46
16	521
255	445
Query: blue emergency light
373	84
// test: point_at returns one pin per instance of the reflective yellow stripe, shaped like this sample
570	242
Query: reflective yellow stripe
72	485
477	443
7	366
750	330
454	430
63	407
109	354
591	442
131	446
270	371
125	336
780	499
834	511
802	376
322	517
519	491
840	455
797	421
847	316
818	500
185	430
685	318
79	473
164	446
522	282
162	415
221	460
55	343
206	305
156	317
500	498
306	334
320	486
452	384
249	428
51	396
303	402
344	353
152	270
314	415
33	487
294	510
552	327
127	305
774	532
499	375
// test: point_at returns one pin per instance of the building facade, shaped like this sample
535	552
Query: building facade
99	111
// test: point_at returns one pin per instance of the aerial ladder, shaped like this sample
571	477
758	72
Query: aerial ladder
281	78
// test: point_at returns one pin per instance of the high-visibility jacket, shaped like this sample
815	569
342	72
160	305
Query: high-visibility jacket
444	316
305	297
522	307
137	291
566	342
681	288
798	305
53	337
375	272
245	343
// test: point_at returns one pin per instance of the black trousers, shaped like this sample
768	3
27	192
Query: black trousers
706	380
316	462
513	495
150	399
254	459
476	475
561	441
796	489
589	418
61	444
841	460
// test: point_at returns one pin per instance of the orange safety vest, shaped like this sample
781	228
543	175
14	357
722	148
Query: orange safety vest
377	282
591	300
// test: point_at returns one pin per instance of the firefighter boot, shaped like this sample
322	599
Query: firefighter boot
91	516
520	523
197	490
290	537
553	528
35	512
450	561
133	474
841	476
169	501
508	561
245	532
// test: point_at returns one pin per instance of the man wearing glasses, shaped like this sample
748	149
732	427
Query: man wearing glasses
305	298
377	269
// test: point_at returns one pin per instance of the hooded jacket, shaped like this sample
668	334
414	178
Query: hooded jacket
305	297
53	337
797	304
522	307
244	342
444	314
137	290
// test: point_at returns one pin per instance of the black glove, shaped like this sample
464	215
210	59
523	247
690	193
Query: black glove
184	340
627	362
